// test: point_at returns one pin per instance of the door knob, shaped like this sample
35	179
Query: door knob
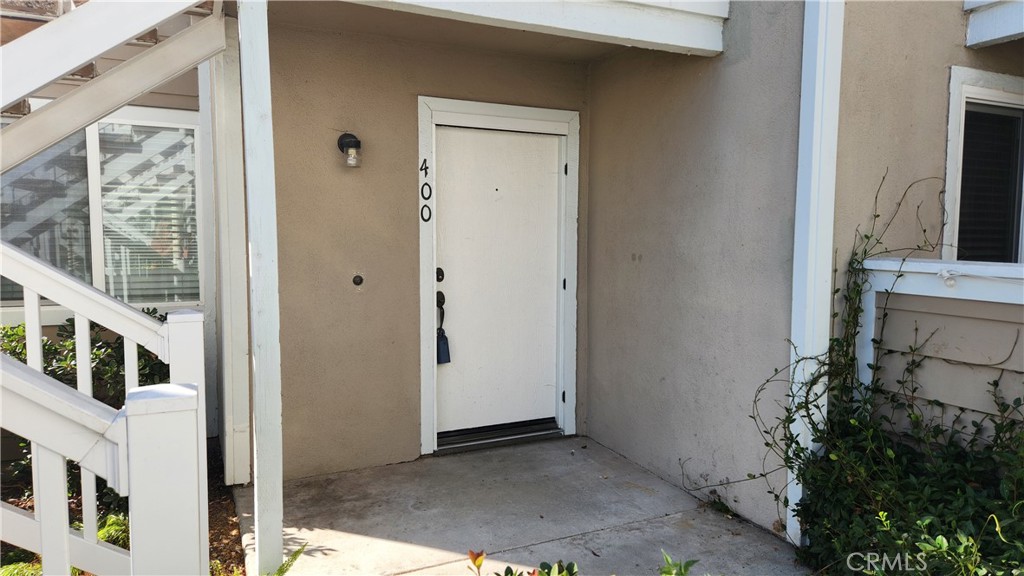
440	299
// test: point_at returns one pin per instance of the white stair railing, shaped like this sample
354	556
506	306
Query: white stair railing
36	59
178	342
148	450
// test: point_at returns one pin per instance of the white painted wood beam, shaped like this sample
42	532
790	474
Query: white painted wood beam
264	305
663	26
994	22
815	206
66	290
718	8
101	96
225	108
42	56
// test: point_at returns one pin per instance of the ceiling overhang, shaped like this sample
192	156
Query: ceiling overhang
668	25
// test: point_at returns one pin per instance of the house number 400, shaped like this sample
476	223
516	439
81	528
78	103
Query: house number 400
425	192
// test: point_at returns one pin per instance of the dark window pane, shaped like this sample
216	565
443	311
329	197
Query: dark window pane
990	185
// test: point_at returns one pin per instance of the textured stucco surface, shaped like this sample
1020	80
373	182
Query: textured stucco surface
692	191
894	105
350	356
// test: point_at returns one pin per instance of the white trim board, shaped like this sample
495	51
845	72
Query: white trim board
680	27
970	85
815	208
461	113
978	281
992	22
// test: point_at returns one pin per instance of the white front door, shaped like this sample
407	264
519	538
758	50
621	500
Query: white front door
497	242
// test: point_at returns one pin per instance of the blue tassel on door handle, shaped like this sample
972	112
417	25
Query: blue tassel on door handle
444	355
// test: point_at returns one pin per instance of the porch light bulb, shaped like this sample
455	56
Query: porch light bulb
350	145
352	157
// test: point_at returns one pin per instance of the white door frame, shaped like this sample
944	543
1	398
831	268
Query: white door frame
435	112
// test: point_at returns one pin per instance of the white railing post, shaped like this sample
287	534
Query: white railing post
188	366
165	474
52	508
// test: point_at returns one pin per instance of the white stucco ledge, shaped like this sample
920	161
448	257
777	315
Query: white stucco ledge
162	399
981	281
681	27
993	21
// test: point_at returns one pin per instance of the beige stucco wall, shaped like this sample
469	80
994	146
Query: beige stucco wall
894	106
350	356
894	102
692	191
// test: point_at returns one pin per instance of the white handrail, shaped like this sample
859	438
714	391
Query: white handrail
151	449
53	415
66	290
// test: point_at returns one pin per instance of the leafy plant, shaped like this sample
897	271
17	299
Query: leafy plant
883	464
671	568
22	569
476	561
217	568
60	362
289	562
558	569
113	529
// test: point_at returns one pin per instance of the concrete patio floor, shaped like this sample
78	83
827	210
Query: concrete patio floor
569	499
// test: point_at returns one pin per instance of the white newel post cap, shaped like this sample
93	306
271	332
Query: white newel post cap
184	316
162	399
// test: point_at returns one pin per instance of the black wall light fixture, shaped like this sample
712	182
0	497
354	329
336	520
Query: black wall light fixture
350	146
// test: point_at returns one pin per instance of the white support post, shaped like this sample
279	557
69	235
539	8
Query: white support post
33	358
33	330
254	51
131	364
206	199
225	110
165	476
815	208
51	501
83	349
187	351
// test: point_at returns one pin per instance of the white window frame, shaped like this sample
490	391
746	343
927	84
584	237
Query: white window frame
54	315
968	85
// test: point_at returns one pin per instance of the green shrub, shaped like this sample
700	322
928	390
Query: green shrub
887	470
22	569
60	362
113	529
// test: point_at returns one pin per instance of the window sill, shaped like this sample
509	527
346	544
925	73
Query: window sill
981	281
